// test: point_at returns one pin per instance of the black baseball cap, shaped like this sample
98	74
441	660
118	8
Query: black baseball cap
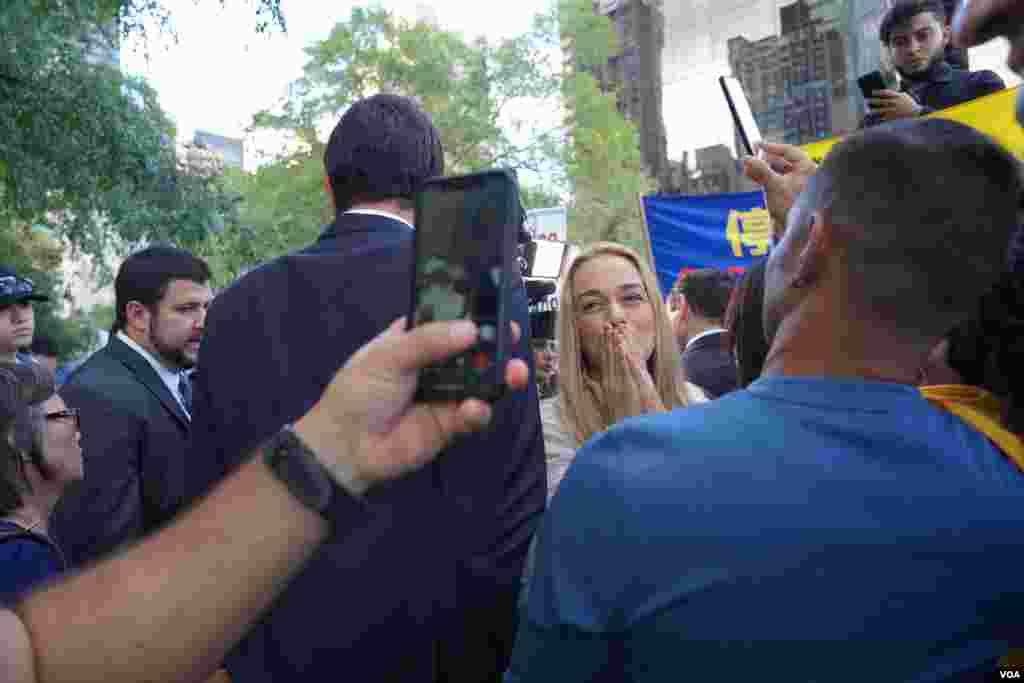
17	289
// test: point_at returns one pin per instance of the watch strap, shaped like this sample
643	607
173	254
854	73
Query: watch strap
299	469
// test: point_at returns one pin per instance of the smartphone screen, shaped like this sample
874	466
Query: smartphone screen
742	115
464	242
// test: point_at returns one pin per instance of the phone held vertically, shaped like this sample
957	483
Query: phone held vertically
742	115
465	266
871	83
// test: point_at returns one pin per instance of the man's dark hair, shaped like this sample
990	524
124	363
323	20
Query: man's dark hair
922	211
383	148
707	292
744	320
145	275
43	346
902	12
22	388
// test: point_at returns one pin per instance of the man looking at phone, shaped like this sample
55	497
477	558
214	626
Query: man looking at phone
916	34
433	578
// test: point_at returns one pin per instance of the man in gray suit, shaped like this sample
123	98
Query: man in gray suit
134	400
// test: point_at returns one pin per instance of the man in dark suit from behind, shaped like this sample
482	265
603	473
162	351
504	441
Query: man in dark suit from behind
707	361
133	399
427	591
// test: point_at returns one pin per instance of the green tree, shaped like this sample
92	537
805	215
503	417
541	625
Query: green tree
602	153
282	207
469	87
84	150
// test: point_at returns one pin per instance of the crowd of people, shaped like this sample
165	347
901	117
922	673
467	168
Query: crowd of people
814	471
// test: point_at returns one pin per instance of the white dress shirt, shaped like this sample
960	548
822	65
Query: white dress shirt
705	333
383	214
171	378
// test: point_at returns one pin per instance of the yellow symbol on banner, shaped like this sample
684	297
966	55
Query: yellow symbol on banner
751	229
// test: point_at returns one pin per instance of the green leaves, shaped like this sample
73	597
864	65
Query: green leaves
84	150
603	154
467	87
282	207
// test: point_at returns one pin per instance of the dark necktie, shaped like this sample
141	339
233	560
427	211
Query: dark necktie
185	391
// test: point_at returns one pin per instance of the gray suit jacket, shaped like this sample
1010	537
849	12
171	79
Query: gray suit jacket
134	439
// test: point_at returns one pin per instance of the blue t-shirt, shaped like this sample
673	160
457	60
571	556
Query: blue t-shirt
24	562
801	530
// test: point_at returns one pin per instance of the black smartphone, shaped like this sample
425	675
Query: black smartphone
742	115
465	264
871	83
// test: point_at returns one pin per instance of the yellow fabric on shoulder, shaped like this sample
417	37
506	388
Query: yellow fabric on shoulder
981	410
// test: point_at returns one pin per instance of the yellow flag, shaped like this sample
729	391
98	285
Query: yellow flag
994	115
751	229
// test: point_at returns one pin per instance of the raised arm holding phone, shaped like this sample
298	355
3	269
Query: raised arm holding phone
163	611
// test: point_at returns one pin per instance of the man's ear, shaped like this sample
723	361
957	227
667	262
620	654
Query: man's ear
947	35
811	261
684	308
330	192
137	317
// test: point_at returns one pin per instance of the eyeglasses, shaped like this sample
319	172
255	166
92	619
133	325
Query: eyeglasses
11	285
68	414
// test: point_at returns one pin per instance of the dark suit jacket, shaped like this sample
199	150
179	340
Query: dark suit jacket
945	87
134	443
428	590
709	365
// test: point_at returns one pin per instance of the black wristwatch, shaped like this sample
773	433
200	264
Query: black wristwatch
307	479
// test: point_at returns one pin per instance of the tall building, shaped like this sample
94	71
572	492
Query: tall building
717	172
231	150
635	74
797	81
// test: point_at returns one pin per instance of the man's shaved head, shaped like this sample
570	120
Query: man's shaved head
921	213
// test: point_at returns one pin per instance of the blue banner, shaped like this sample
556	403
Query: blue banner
727	231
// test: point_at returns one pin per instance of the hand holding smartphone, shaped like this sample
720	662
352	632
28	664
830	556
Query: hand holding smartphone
871	83
466	228
742	115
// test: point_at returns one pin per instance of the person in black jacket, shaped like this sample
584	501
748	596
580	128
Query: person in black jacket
708	361
427	590
133	397
916	34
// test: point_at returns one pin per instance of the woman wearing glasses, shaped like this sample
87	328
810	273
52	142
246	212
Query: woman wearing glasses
40	454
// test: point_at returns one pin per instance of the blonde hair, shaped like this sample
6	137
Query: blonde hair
582	413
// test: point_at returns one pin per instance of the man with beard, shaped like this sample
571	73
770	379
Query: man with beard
916	34
134	402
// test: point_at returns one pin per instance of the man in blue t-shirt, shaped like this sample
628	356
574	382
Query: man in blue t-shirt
827	523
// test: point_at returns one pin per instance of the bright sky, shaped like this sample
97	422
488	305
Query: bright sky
221	71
